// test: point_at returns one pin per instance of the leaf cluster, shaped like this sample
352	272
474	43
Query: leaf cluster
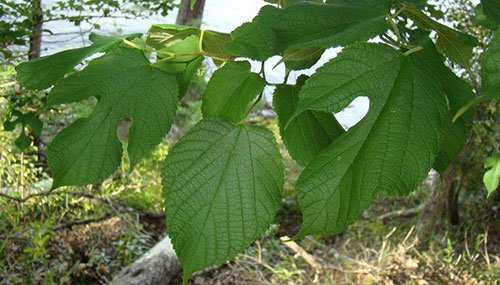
223	180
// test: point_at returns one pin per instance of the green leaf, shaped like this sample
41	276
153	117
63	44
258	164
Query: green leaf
186	76
306	25
178	64
127	87
458	93
25	119
46	71
23	141
297	59
286	3
490	72
164	35
483	20
308	133
184	67
252	40
222	188
492	175
191	4
213	45
231	90
392	149
454	44
491	9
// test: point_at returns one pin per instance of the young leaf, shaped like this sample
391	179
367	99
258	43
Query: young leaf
392	149
164	35
178	64
308	133
492	175
231	90
454	44
46	71
184	67
222	188
490	72
127	87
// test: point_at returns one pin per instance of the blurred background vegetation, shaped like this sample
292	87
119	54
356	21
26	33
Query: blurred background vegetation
84	235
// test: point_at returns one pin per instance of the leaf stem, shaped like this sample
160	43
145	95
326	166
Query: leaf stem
125	41
413	50
171	56
254	104
395	29
200	42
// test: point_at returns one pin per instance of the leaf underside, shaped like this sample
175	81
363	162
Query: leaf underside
391	149
222	187
46	71
310	132
126	86
231	90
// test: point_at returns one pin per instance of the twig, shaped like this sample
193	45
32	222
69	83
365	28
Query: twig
260	263
305	255
22	200
80	222
402	213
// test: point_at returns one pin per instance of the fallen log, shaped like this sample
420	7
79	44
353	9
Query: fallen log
159	266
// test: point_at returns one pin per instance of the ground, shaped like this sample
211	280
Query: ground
85	235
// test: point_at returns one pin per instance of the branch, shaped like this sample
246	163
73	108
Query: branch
22	200
402	213
70	224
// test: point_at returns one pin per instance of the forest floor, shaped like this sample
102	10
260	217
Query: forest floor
84	235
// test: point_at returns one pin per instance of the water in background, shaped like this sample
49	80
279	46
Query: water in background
219	15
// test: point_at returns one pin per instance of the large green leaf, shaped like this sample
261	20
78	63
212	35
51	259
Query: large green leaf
456	45
481	19
491	9
127	86
490	72
231	90
459	93
306	25
46	71
392	149
222	186
308	133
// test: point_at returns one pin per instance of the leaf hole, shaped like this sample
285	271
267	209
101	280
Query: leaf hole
354	113
123	129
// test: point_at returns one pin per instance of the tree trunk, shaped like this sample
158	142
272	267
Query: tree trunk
441	208
35	48
188	17
36	35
